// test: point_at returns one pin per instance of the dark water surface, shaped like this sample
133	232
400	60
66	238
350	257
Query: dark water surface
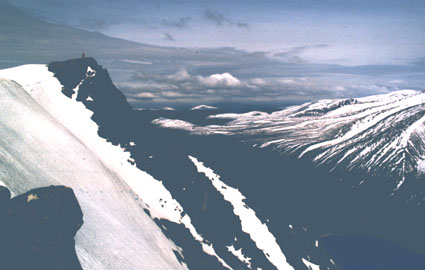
371	253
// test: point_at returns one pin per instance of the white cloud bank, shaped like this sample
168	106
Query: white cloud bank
217	80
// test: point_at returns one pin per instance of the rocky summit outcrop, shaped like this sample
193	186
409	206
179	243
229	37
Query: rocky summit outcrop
37	229
86	81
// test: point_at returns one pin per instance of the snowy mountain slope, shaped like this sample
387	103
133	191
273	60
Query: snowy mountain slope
87	83
87	92
382	134
224	204
47	139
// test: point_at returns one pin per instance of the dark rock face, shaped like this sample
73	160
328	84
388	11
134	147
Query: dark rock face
37	229
97	92
4	195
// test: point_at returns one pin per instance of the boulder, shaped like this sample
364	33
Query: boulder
37	229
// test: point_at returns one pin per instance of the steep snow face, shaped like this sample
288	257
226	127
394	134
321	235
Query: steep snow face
382	134
49	139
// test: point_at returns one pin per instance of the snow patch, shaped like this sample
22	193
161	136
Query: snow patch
250	223
310	265
204	107
173	123
421	166
238	254
90	72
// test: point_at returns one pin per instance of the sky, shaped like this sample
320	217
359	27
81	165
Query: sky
329	31
328	38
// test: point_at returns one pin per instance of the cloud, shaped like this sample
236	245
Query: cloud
339	88
229	75
172	94
419	61
218	74
293	55
258	82
182	85
183	77
182	22
145	96
242	24
220	20
180	75
97	24
187	87
215	17
220	80
168	37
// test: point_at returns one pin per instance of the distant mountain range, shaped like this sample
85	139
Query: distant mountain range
378	135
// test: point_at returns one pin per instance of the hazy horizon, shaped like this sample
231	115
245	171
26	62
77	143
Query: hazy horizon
214	52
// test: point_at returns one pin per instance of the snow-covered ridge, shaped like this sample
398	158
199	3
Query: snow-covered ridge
383	133
112	191
48	139
204	107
